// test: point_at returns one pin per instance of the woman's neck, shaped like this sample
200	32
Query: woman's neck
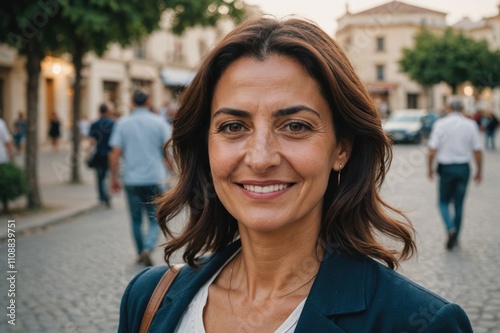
268	267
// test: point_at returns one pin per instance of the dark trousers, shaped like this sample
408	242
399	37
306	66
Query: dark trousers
490	139
102	188
452	187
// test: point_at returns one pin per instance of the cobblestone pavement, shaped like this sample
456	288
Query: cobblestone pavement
71	277
469	275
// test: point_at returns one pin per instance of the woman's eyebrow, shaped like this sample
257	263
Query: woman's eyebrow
233	112
294	109
278	113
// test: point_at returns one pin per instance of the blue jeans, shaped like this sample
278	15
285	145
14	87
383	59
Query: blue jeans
490	139
102	188
452	187
139	198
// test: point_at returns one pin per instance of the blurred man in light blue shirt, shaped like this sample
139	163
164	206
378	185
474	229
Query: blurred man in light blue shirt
138	140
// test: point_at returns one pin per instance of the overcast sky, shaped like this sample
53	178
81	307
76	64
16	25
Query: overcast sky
326	12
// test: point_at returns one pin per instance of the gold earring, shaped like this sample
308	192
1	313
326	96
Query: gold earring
338	176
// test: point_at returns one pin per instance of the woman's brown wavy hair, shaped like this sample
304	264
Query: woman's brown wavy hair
352	212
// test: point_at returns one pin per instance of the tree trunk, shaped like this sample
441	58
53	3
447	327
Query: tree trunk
78	65
34	57
430	98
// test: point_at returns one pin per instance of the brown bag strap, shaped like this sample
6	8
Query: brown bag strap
158	296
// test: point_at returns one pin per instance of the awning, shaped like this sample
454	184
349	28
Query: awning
177	77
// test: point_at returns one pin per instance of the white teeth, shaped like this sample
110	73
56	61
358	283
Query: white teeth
265	189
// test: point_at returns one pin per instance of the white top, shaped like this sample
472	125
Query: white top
192	319
454	137
4	138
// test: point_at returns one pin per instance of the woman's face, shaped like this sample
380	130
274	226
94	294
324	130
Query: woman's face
272	144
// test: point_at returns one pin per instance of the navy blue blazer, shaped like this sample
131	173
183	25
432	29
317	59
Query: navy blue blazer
350	294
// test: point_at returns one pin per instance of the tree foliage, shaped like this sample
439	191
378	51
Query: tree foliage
12	183
449	57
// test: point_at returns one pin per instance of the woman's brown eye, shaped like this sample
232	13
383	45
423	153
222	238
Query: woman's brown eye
296	127
234	127
231	128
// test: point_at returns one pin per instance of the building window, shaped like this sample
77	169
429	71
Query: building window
141	84
178	52
140	50
110	91
380	72
380	44
412	101
202	47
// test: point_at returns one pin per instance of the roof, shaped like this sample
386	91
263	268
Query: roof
398	7
466	24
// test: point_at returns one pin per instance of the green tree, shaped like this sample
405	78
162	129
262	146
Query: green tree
37	28
487	74
449	57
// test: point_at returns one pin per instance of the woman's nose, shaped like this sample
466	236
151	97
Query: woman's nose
262	151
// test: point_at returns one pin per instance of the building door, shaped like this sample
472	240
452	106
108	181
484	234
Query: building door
110	91
412	101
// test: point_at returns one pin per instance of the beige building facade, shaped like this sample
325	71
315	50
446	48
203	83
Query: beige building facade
487	29
374	39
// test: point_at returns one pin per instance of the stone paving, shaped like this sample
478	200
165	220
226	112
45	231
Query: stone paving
71	277
469	275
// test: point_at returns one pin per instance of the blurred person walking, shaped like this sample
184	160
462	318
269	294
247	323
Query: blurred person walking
453	141
138	140
84	126
54	130
20	130
6	150
100	133
490	130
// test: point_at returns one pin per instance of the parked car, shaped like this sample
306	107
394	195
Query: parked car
429	120
405	125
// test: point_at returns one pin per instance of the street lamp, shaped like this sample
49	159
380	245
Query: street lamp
56	69
468	91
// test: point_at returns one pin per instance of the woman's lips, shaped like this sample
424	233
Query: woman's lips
266	188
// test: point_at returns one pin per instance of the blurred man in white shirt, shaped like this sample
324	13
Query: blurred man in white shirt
453	142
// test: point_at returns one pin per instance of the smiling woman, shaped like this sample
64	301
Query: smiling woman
280	154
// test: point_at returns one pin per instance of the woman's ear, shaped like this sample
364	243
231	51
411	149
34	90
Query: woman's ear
344	148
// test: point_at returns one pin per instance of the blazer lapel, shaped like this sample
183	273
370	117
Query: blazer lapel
313	320
338	289
185	287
